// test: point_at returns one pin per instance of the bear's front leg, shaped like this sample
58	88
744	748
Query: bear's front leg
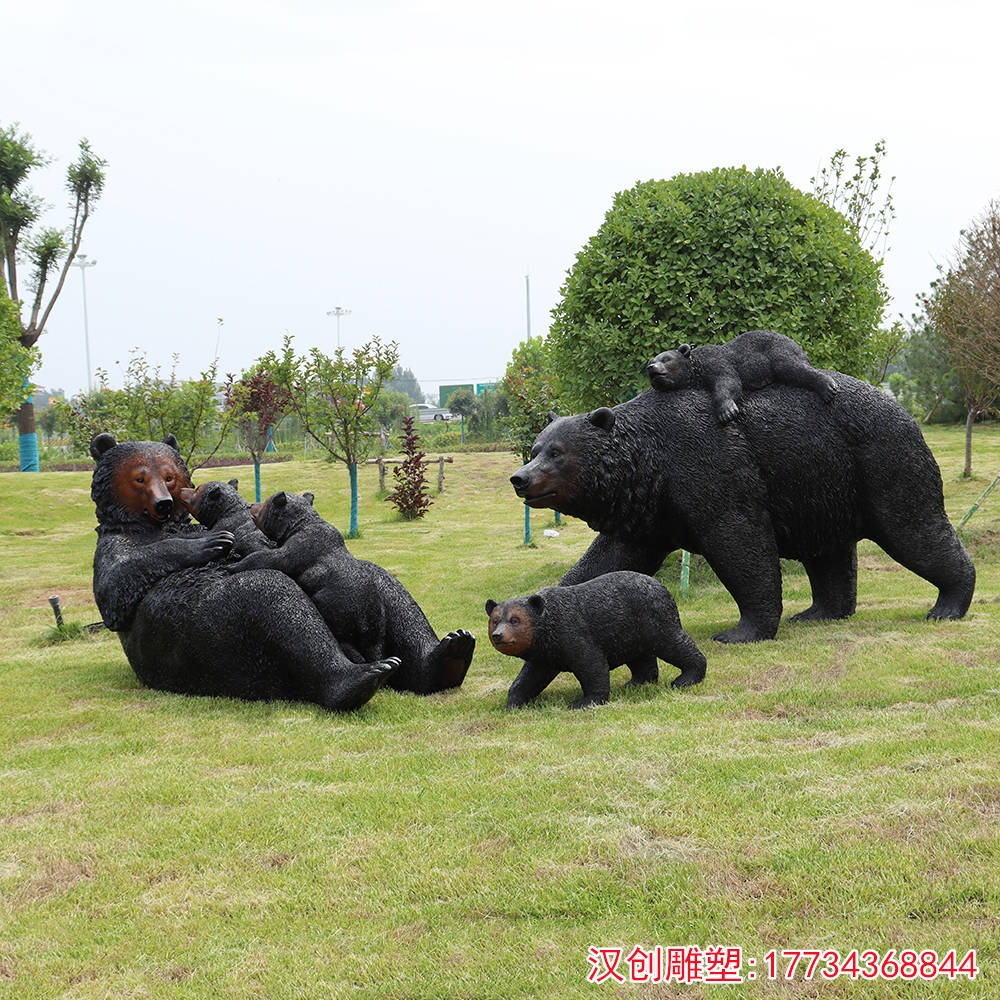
594	674
533	679
264	559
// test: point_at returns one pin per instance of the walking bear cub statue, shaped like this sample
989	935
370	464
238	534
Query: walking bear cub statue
186	625
588	630
368	609
751	360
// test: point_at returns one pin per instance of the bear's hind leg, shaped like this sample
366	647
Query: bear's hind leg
644	671
833	577
800	373
684	654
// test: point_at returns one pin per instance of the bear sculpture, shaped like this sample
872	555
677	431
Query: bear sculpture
752	360
794	479
590	628
220	506
366	607
187	626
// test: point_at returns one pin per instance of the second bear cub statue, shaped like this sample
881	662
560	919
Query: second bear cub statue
365	607
750	361
588	629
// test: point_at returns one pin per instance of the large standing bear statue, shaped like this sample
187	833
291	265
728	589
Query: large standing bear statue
185	624
791	477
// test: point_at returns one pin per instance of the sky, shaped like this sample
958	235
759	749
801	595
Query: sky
413	162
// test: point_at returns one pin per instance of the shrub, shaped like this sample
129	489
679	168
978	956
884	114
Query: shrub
410	497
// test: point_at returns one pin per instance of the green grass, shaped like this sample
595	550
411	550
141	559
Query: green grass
837	788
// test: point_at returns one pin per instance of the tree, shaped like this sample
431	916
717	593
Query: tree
411	496
403	380
530	388
16	362
701	258
149	406
335	398
48	251
864	198
965	304
462	402
257	405
928	384
391	408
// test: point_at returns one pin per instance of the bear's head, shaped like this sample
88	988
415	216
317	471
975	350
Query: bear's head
671	369
138	481
212	501
512	623
559	456
281	515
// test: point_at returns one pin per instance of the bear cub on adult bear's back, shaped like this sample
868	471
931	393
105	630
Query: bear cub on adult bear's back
752	360
588	629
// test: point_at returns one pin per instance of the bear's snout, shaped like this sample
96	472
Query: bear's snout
163	507
520	482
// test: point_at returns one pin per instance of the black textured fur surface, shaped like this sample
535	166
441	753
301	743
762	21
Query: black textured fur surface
794	477
188	627
588	629
366	607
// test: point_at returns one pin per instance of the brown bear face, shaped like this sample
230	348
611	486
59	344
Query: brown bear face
511	626
671	369
147	483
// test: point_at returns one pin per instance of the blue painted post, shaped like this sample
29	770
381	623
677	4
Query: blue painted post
558	518
527	525
352	468
270	439
256	480
28	443
685	571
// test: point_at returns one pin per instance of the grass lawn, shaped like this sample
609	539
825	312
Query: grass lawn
835	789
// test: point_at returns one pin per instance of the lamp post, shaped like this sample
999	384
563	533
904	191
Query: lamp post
83	263
338	312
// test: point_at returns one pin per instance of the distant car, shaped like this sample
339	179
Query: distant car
428	414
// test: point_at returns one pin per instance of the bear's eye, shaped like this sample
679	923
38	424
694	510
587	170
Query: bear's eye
554	452
140	478
515	620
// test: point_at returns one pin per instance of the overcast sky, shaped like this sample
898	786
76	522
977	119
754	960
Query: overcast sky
412	162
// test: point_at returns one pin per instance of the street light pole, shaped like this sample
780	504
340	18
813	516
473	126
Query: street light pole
83	263
338	312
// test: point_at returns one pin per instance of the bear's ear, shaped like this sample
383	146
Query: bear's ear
309	498
537	603
602	418
552	415
215	490
171	442
235	483
101	444
490	605
280	499
684	350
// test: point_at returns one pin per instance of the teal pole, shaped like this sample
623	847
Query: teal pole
256	480
27	444
352	468
527	525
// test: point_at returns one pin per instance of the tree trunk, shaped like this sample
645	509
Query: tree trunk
969	421
256	480
27	438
